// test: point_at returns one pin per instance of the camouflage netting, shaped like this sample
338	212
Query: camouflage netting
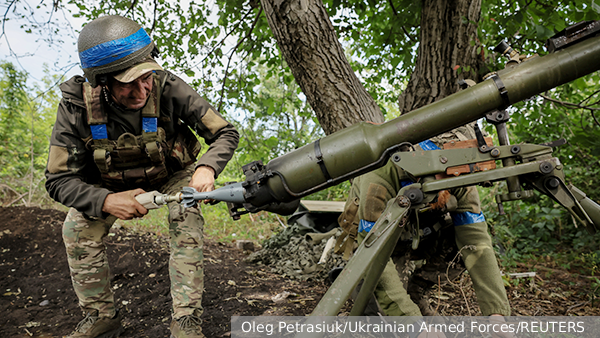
291	254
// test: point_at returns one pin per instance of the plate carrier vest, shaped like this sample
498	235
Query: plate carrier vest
136	161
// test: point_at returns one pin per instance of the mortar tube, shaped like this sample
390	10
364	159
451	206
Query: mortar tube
364	147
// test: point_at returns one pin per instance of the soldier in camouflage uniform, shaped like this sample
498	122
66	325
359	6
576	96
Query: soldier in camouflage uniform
124	131
367	200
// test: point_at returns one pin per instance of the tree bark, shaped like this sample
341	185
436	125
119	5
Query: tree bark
448	30
311	49
448	38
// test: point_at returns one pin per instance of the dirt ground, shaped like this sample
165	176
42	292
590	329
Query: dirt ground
38	301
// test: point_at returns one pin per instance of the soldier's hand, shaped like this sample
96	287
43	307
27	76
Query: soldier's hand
203	180
123	205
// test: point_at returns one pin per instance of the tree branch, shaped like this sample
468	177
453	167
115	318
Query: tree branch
403	28
393	7
589	97
220	43
154	16
55	9
133	3
231	57
57	82
595	119
4	19
574	106
408	35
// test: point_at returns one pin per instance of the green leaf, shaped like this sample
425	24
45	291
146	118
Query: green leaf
518	17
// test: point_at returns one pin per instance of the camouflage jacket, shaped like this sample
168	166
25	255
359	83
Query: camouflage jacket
73	178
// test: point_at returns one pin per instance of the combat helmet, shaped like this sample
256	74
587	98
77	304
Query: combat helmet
111	44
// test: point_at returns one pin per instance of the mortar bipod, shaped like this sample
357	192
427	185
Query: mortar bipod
368	261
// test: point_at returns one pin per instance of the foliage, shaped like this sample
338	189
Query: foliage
26	119
227	51
13	122
540	226
218	224
527	24
274	121
219	44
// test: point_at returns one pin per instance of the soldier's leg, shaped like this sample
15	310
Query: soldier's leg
374	190
390	292
392	296
88	263
186	260
478	254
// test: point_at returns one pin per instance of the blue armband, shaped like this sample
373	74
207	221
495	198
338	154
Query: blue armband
365	226
464	218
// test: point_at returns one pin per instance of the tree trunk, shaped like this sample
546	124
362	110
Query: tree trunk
448	30
448	39
311	49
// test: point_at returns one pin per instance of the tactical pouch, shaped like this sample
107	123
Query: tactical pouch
348	221
128	158
154	151
145	178
135	177
102	160
154	145
128	153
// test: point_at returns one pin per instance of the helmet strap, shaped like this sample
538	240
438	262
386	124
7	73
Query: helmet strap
102	79
154	52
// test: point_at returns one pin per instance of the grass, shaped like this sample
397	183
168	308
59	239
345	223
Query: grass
155	222
218	226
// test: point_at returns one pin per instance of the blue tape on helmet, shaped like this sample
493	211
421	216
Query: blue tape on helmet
428	145
365	226
99	131
149	124
114	50
464	218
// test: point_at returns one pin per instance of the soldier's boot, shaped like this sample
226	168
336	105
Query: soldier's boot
187	327
93	326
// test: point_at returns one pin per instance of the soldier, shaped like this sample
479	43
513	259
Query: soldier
126	130
367	200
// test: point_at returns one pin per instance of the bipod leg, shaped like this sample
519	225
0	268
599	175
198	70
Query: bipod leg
368	261
586	211
590	207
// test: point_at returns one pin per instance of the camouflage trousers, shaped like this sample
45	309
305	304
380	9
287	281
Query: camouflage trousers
88	262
